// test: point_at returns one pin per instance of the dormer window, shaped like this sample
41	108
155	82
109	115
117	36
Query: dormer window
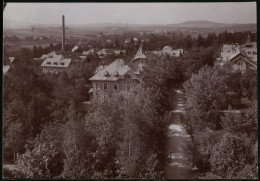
62	63
55	63
116	74
128	76
48	63
106	73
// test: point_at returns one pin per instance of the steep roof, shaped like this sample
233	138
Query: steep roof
109	72
139	53
244	57
57	61
6	68
117	70
167	49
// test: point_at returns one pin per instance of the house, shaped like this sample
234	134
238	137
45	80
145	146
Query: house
123	52
55	64
5	69
101	53
229	50
74	48
168	50
242	57
117	77
89	52
109	41
241	62
116	52
7	64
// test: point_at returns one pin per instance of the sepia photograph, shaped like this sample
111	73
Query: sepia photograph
158	90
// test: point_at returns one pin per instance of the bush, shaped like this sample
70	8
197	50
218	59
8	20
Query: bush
44	161
239	124
228	156
200	149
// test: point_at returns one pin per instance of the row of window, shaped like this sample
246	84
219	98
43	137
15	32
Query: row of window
55	63
105	86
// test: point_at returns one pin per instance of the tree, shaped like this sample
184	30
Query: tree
117	44
14	139
35	51
200	41
206	95
44	156
229	156
42	161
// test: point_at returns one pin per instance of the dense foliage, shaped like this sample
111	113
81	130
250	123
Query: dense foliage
49	134
223	140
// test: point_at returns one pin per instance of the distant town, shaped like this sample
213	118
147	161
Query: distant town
128	101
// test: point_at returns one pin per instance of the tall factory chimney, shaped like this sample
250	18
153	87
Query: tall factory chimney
63	33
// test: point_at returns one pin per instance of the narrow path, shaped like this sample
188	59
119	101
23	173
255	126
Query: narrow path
178	165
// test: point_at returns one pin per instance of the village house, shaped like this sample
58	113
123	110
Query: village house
117	77
55	64
119	52
168	50
242	57
7	64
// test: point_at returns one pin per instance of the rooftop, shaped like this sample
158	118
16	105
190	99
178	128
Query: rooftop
112	72
56	61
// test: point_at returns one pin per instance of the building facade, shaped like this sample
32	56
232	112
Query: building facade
118	77
241	57
55	64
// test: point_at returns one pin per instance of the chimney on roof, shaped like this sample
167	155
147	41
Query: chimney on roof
63	33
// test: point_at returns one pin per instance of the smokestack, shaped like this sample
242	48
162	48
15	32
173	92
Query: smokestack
63	33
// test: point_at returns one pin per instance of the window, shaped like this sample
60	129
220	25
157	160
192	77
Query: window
97	85
55	63
105	86
128	87
127	76
115	87
48	63
106	73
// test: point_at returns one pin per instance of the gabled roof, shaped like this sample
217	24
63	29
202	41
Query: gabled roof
244	57
6	68
117	52
91	51
56	62
167	49
109	72
117	70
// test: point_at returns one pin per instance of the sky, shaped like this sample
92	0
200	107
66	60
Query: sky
130	13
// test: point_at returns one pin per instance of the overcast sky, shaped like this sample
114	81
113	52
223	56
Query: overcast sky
132	13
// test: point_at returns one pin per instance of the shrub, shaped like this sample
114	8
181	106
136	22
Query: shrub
228	156
43	161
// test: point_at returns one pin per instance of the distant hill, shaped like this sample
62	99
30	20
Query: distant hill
204	24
